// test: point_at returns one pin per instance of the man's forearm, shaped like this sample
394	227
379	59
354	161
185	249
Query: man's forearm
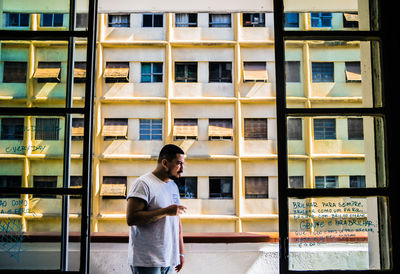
144	217
181	248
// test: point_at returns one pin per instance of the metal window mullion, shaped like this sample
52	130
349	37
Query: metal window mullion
62	112
315	35
87	140
67	143
282	137
41	35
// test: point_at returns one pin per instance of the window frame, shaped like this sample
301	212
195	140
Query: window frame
224	73
212	24
387	111
283	112
252	22
153	21
322	72
121	23
152	136
152	74
187	24
52	20
19	133
186	78
7	23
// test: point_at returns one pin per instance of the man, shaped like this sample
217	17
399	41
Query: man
155	239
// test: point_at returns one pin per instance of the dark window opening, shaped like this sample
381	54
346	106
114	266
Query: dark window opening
187	187
220	187
12	128
253	19
220	72
186	72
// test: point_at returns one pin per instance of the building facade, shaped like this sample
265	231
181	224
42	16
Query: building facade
203	81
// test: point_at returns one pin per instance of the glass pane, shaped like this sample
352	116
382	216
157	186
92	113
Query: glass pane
341	233
338	74
27	224
34	73
325	15
28	80
336	152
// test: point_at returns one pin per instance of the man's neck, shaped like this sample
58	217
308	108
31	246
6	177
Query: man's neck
160	174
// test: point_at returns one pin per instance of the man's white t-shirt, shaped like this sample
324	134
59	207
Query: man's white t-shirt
155	244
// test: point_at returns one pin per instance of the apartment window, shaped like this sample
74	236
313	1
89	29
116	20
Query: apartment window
255	128
14	72
326	181
294	129
119	20
186	20
220	72
321	19
151	72
185	129
324	129
186	72
256	187
220	129
113	187
48	72
253	19
116	72
51	19
220	187
219	20
44	182
115	129
150	129
47	128
17	19
350	20
357	181
75	181
291	20
80	72
255	72
10	181
153	20
322	72
12	128
296	182
292	70
355	129
77	129
187	187
81	20
353	71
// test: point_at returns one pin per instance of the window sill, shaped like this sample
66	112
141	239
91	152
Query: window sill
216	237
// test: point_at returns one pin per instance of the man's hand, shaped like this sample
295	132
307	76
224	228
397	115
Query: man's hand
175	210
179	266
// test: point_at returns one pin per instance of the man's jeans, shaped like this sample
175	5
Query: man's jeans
151	270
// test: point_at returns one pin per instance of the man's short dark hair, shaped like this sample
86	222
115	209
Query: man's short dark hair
169	152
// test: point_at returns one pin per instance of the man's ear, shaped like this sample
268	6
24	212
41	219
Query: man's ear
164	163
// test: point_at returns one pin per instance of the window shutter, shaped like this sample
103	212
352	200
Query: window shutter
220	127
255	71
186	127
255	128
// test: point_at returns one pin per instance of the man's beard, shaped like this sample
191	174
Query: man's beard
172	177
